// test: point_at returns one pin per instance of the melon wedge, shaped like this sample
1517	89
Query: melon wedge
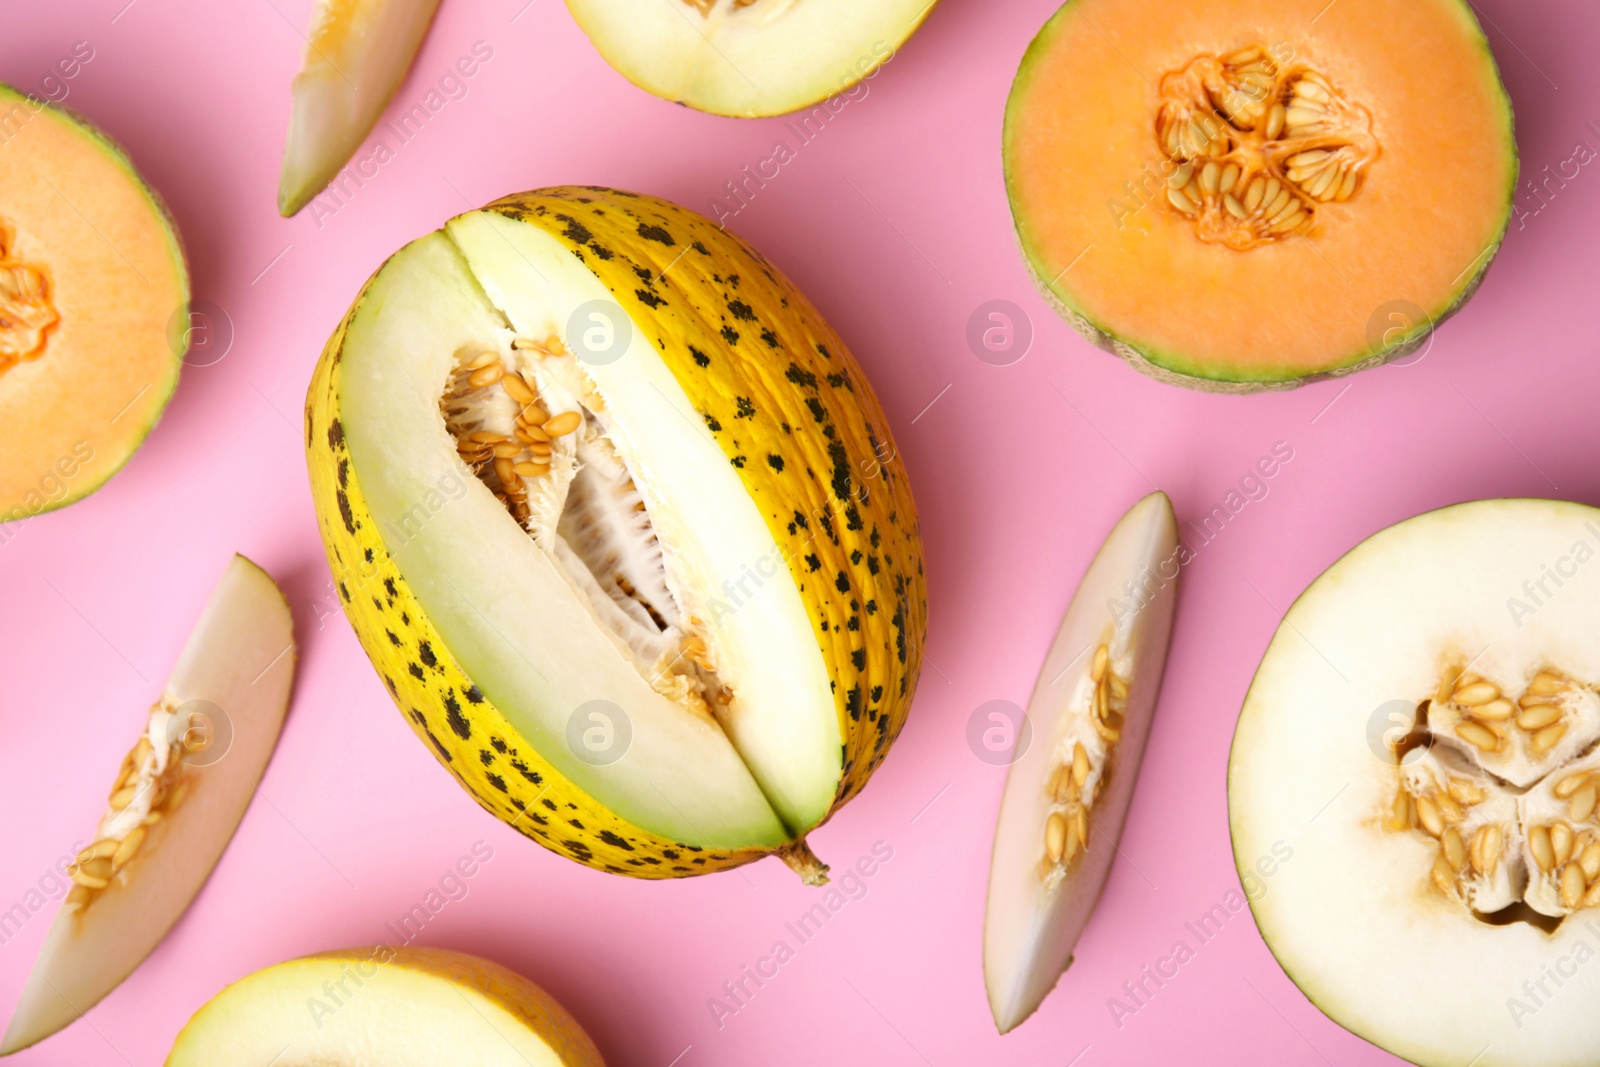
177	800
1067	795
748	58
94	291
357	54
1235	196
407	1007
1417	753
621	526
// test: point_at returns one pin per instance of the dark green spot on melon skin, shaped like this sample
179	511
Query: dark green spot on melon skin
858	659
741	311
712	424
744	408
656	233
335	435
486	758
648	299
775	461
730	335
547	802
527	772
458	722
800	376
344	511
575	232
344	473
428	658
842	582
393	640
613	840
474	696
700	358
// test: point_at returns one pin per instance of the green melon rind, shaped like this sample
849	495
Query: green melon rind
1173	368
11	97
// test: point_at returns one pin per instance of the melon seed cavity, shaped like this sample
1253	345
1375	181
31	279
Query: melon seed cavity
1083	771
1496	843
1257	148
26	311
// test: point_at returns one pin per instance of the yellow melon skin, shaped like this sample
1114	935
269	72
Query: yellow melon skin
769	378
470	976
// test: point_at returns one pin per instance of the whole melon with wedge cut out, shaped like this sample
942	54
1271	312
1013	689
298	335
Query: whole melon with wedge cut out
1242	196
748	58
94	290
1413	780
621	525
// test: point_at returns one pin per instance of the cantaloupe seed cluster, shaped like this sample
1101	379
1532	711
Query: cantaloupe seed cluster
1255	146
1081	777
26	311
1492	832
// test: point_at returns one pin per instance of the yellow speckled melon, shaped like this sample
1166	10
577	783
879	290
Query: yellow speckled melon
622	527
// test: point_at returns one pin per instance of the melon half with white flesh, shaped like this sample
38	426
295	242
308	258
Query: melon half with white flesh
407	1007
174	805
1422	733
1067	795
748	58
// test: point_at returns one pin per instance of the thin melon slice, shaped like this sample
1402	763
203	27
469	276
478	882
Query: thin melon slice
1236	196
174	806
357	54
748	58
1068	793
94	292
407	1007
620	524
1419	741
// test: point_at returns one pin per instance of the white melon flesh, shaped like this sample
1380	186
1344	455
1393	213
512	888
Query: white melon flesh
1373	750
748	57
357	54
519	607
412	1007
239	661
1038	906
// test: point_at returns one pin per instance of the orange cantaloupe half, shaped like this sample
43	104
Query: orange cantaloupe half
90	263
1116	258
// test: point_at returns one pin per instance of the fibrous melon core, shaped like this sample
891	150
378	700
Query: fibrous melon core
1504	779
1254	146
26	311
535	433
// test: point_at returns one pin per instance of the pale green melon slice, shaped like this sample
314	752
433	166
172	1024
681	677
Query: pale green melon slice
357	54
231	686
1046	873
748	57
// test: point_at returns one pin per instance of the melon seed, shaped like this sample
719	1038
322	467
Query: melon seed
1493	711
1592	897
1055	836
1572	885
1400	811
562	424
1478	736
1455	850
1465	792
1546	684
1539	845
1428	816
1569	785
127	848
1589	860
1582	804
1538	716
1548	738
1561	841
1080	763
1060	788
1475	693
1486	846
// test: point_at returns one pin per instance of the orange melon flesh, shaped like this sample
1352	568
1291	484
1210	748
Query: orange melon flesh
74	212
1081	131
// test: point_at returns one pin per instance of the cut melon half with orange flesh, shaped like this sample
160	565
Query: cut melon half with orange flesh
174	805
406	1007
357	54
1237	196
1068	793
93	295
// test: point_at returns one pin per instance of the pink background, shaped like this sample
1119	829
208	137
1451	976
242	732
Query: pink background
894	221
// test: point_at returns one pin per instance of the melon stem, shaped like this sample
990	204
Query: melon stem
802	861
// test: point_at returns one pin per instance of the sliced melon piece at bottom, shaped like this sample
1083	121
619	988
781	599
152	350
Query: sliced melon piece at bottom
409	1007
1067	795
177	800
